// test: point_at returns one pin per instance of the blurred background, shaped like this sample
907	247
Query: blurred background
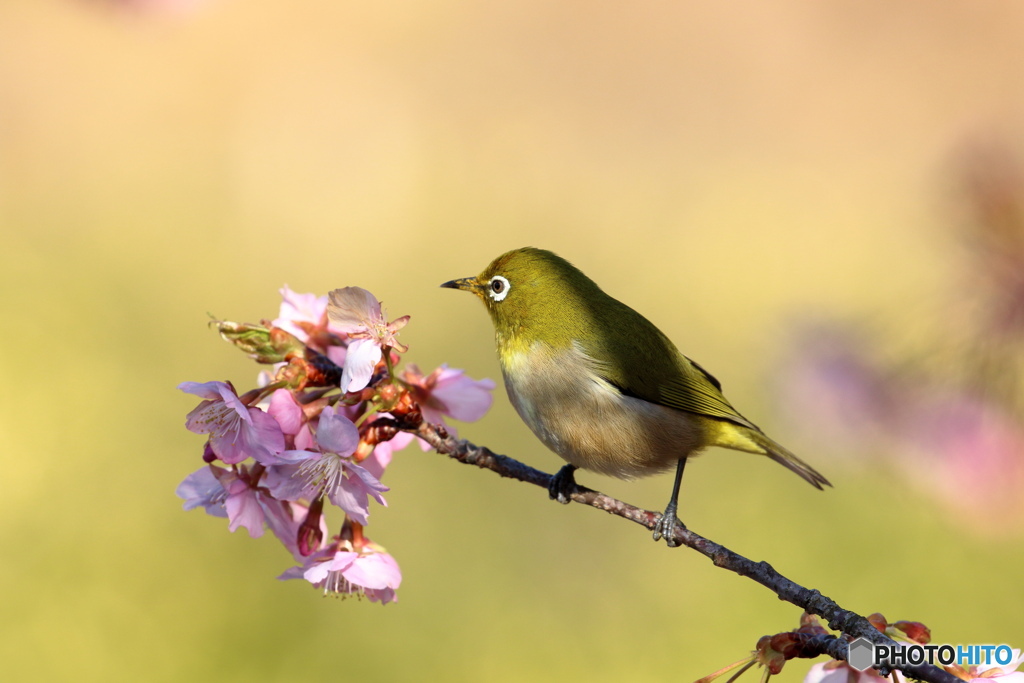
818	201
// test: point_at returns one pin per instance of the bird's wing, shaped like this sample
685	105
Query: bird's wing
659	373
696	391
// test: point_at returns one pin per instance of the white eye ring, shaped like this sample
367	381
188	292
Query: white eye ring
498	288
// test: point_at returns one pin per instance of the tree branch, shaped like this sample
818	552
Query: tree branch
813	602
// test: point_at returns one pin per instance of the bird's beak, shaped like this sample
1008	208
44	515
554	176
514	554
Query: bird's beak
469	284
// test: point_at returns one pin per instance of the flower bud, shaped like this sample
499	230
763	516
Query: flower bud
915	631
310	535
878	621
262	344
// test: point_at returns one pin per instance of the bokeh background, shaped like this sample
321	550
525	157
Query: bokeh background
731	170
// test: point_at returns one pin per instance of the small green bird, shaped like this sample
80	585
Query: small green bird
600	385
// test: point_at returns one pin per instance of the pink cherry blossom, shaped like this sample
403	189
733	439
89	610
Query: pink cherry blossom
361	358
289	414
357	313
449	391
244	502
236	431
244	509
285	483
305	316
330	470
202	487
341	571
300	308
287	411
223	493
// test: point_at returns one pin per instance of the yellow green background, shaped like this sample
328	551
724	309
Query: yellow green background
725	168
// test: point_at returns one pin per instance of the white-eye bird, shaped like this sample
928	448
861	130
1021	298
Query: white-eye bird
600	385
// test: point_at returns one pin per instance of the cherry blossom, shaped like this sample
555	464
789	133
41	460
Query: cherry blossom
358	314
341	571
236	431
202	487
451	392
331	471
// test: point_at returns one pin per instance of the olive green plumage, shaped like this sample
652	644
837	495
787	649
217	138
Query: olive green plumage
590	375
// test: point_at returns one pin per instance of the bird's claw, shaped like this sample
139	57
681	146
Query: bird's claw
562	485
666	528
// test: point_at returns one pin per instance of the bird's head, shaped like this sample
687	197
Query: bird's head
531	292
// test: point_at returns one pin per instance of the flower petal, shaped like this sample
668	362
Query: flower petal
337	355
374	571
265	438
228	444
231	400
260	438
244	510
463	397
292	573
297	307
353	309
203	488
286	410
305	440
317	572
336	433
352	499
363	355
207	390
432	413
372	486
285	483
398	323
342	560
382	596
294	457
352	492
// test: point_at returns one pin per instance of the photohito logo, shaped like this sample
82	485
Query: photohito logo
864	654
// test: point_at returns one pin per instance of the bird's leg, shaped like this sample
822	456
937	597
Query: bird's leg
666	526
562	484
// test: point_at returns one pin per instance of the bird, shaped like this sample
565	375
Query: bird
602	386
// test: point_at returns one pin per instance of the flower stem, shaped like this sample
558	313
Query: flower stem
387	361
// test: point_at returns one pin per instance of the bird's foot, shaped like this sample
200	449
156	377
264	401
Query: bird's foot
666	527
562	484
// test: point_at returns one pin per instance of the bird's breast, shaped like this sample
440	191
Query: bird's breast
588	421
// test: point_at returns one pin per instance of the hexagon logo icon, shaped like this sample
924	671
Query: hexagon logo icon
861	654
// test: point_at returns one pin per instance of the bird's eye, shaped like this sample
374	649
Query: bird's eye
499	288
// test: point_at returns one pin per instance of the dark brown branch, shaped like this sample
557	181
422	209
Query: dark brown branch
839	619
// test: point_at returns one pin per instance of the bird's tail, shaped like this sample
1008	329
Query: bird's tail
741	438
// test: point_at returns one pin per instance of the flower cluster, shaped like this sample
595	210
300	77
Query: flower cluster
321	428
